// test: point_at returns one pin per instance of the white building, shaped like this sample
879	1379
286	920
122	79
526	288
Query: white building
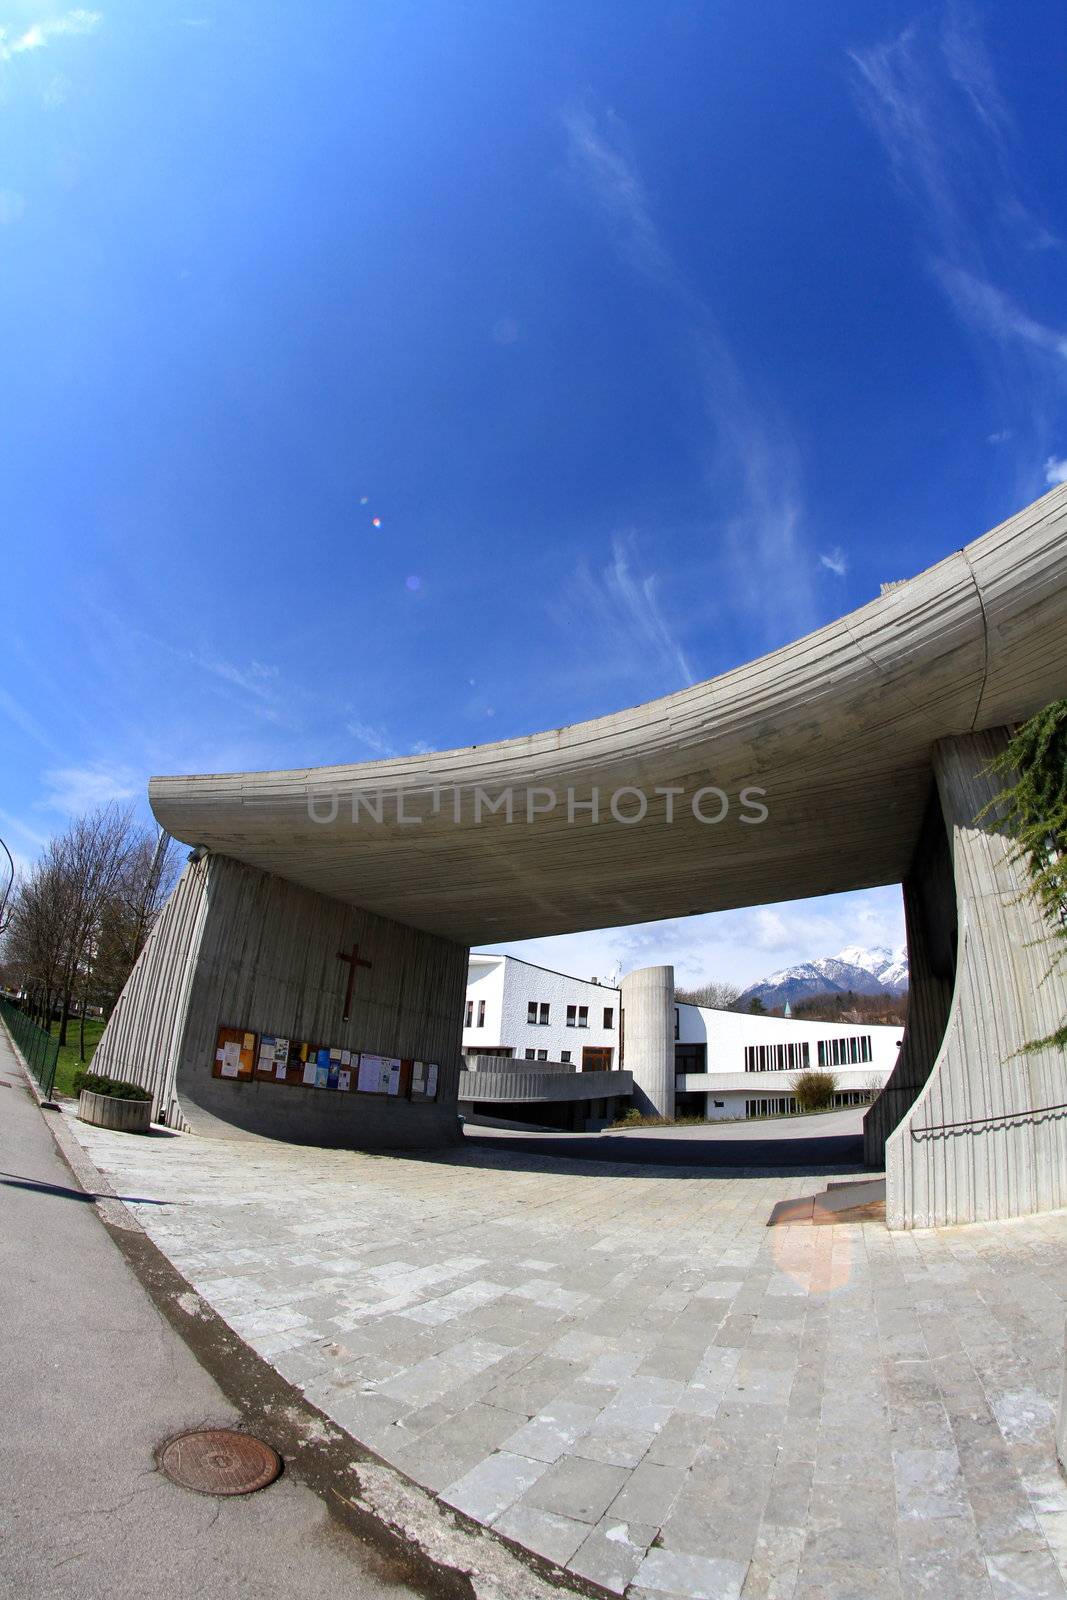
727	1064
517	1010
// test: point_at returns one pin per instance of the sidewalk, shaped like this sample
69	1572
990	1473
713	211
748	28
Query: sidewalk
92	1379
623	1369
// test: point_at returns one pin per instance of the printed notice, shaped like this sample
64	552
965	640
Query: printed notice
367	1082
344	1078
309	1073
231	1058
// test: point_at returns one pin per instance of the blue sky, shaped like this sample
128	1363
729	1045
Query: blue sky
654	336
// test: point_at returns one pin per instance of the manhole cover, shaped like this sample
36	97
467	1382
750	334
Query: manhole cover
219	1461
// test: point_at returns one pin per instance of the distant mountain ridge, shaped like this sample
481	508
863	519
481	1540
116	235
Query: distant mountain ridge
856	969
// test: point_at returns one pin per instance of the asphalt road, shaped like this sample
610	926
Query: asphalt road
819	1142
92	1379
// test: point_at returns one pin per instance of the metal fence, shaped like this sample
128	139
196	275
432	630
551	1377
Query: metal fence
40	1050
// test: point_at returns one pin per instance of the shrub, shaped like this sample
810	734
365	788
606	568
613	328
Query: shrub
97	1083
814	1090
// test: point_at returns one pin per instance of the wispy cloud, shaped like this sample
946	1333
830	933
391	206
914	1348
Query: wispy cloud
834	561
753	462
40	34
618	606
996	313
73	790
932	97
1056	470
377	740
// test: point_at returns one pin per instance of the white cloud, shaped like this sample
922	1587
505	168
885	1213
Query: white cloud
74	790
375	739
1000	438
39	34
752	457
996	313
735	946
834	560
932	97
1056	470
622	607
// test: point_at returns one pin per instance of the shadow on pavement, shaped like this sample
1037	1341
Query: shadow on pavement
706	1157
11	1180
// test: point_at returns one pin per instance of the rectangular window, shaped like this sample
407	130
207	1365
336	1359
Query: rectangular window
470	1014
572	1012
531	1011
530	1054
543	1019
564	1055
542	1055
583	1016
609	1016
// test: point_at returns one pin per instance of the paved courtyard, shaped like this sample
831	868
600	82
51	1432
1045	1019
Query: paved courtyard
622	1368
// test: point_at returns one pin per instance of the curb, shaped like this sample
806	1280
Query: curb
408	1531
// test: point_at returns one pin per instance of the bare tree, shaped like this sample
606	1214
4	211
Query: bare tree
716	994
81	918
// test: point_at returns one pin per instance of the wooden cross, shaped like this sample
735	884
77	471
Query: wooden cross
354	960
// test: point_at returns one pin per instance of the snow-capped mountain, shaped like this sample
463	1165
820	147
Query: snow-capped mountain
855	969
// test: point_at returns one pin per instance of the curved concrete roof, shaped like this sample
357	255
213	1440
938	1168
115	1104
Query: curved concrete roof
837	728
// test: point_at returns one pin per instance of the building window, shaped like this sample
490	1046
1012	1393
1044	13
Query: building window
583	1016
543	1018
537	1012
470	1014
531	1011
564	1055
481	1013
530	1054
542	1055
792	1057
677	1024
848	1052
609	1016
572	1014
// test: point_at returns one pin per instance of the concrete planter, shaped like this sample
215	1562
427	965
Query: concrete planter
107	1111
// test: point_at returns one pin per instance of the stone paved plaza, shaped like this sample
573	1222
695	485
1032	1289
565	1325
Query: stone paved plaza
623	1369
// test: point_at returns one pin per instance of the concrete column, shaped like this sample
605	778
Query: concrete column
648	1041
984	1138
930	919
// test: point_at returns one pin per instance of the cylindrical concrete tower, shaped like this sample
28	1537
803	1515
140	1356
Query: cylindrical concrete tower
648	1037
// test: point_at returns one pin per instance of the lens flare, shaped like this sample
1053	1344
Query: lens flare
376	522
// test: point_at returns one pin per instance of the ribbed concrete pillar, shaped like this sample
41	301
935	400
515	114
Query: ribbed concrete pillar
648	1040
985	1139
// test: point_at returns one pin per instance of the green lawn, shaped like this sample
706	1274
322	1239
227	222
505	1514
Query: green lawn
69	1060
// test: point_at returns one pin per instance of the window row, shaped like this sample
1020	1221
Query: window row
793	1057
542	1055
785	1105
845	1052
538	1014
468	1021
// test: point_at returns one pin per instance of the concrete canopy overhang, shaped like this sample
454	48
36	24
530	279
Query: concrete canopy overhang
837	728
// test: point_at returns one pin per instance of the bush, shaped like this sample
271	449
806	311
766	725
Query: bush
814	1090
96	1083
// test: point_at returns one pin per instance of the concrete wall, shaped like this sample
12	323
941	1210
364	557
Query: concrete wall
141	1040
983	1139
648	1046
237	947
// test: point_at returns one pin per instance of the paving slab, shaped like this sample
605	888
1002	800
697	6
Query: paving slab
623	1369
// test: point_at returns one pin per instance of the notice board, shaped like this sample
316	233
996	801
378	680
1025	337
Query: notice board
235	1053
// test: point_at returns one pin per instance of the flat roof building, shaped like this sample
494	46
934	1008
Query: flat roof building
726	1064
